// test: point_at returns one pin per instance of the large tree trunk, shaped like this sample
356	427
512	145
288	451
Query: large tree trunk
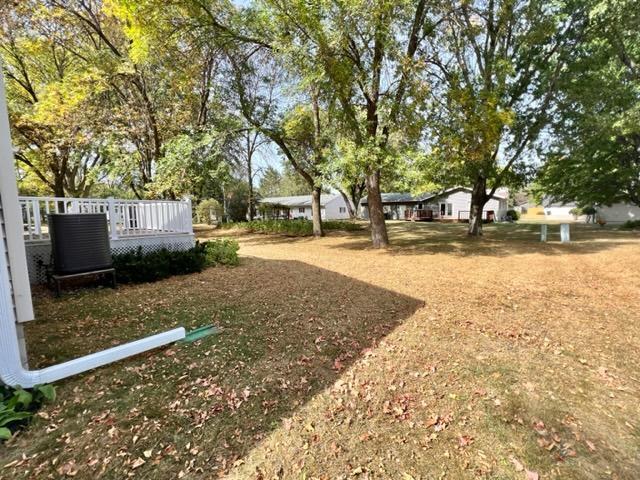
350	209
58	186
379	236
251	202
478	200
316	212
357	191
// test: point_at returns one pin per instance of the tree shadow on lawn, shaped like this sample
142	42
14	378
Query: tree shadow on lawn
499	240
289	330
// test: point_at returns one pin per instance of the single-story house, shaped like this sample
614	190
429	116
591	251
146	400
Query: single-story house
332	207
453	204
562	211
617	213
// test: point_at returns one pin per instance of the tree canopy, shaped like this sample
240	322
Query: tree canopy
594	157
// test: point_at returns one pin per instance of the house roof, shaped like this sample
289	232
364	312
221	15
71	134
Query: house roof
399	197
500	193
296	201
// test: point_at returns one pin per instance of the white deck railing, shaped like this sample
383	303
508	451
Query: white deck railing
126	218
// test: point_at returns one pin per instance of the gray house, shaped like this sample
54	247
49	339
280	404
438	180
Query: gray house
452	204
332	207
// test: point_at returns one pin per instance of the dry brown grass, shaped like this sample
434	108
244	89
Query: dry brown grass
443	357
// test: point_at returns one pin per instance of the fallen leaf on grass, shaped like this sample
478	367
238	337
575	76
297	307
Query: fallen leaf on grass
517	464
69	469
532	475
287	423
138	462
357	471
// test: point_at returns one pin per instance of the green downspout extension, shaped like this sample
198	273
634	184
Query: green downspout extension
199	333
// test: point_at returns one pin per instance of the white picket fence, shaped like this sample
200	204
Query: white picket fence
126	218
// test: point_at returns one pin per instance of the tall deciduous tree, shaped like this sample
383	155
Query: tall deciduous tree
496	65
54	101
297	130
275	183
364	53
595	154
245	149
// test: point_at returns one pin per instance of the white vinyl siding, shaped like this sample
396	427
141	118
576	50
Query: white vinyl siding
619	213
615	214
336	209
11	219
4	240
457	204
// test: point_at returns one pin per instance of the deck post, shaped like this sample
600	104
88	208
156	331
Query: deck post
36	218
188	219
113	220
543	233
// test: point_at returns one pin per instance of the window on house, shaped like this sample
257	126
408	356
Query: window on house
343	209
301	210
446	209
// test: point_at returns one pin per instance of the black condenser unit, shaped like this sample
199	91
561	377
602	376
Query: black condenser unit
79	242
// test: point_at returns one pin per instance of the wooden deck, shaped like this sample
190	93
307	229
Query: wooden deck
418	215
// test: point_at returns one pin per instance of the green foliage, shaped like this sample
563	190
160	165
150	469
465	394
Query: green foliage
291	228
17	406
191	164
513	214
630	225
492	109
134	108
222	252
209	211
139	267
576	211
236	197
288	183
594	157
53	101
341	225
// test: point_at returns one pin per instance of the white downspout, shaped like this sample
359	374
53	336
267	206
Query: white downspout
12	372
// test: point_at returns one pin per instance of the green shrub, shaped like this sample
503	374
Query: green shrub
209	211
576	212
291	228
630	225
17	406
513	214
341	225
139	267
222	252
